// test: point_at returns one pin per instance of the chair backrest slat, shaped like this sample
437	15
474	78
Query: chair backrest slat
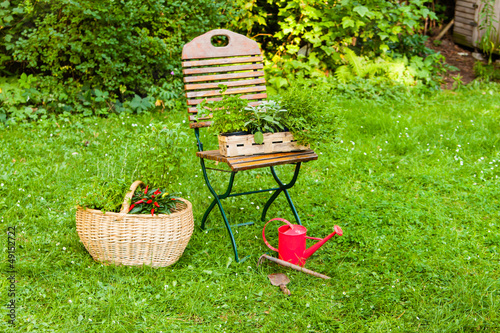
221	61
237	65
207	117
250	97
222	69
232	91
193	110
207	78
215	85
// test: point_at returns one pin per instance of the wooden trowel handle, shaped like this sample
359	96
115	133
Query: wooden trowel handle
285	290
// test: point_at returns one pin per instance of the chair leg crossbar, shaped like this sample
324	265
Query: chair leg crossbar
218	197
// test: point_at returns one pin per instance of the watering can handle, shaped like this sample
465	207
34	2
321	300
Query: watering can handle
264	232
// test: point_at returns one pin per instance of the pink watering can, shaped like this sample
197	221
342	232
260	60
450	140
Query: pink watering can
292	242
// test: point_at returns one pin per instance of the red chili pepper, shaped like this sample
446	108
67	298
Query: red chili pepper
153	212
131	206
153	196
149	201
139	202
156	204
157	192
146	190
172	199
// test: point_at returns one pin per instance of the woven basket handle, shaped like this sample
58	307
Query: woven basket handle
128	197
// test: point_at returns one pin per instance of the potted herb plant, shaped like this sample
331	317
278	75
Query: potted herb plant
290	122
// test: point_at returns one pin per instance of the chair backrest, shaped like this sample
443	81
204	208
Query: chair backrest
238	65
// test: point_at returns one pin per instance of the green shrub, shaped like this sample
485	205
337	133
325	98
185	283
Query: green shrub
306	38
402	71
122	47
377	89
309	116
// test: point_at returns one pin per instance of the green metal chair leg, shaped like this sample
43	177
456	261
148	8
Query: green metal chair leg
233	242
283	188
207	212
268	204
294	211
219	204
223	196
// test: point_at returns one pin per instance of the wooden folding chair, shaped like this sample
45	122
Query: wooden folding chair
238	65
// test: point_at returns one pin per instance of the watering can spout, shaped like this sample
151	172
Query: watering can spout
315	247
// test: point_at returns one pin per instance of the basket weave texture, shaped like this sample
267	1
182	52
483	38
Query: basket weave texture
135	239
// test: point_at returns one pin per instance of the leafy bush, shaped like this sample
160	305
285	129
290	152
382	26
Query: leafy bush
34	97
121	47
309	116
408	72
376	89
305	38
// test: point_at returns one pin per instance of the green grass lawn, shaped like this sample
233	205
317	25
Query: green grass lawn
414	185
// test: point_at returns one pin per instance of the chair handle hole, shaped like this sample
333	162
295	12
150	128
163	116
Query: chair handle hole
219	40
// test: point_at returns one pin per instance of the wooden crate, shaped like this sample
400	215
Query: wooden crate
242	145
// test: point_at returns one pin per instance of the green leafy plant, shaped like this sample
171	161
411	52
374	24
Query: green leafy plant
264	118
153	201
155	157
487	72
228	114
106	195
458	82
489	42
408	72
162	148
308	116
303	39
300	110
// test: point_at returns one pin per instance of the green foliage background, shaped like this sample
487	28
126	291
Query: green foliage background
114	45
99	57
306	38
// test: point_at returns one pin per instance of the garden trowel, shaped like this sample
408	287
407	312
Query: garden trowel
281	280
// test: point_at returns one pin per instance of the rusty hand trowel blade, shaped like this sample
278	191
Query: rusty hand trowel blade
281	280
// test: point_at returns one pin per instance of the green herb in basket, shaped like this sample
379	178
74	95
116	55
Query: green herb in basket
153	201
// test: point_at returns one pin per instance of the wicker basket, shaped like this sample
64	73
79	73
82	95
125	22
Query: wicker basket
135	239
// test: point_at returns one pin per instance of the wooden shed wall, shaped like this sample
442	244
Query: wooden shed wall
467	19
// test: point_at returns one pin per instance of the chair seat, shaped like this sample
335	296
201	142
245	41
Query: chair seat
240	163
